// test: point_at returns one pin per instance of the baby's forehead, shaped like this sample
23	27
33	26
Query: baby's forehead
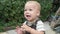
31	5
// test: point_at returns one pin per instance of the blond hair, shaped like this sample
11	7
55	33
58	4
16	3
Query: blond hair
36	3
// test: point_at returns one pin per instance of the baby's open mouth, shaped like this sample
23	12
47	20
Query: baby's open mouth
28	16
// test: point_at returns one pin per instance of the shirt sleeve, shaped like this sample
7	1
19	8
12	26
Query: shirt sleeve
40	26
25	22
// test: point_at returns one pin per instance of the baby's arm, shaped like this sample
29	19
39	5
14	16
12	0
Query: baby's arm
36	32
31	30
19	30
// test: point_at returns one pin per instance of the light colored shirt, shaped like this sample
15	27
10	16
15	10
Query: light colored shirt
39	25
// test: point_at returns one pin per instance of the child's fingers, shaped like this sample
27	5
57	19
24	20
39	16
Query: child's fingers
17	27
19	30
23	27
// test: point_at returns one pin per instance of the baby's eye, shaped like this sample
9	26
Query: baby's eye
30	9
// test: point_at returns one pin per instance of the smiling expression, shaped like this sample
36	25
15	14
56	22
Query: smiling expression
31	11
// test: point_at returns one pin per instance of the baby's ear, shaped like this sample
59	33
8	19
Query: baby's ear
38	13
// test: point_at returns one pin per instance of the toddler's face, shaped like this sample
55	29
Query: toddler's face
30	12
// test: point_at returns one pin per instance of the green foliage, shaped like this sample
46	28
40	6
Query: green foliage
45	8
11	12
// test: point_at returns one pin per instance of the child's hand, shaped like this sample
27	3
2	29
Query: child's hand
19	30
25	27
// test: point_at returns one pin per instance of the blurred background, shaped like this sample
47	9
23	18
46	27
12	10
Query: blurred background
11	13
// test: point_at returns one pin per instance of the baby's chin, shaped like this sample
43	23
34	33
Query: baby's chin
29	19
